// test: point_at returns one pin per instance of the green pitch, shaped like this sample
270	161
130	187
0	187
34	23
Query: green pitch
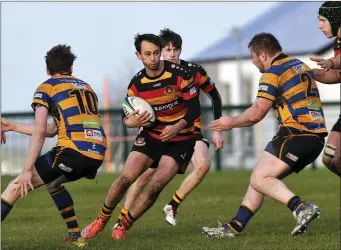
35	223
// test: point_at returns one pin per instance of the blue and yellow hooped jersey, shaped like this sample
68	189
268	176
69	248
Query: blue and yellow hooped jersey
290	85
74	107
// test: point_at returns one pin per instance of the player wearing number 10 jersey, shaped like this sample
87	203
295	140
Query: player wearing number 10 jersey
81	140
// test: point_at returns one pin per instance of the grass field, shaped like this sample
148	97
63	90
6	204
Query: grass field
34	223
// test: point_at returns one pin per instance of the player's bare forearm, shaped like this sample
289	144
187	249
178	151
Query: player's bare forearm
246	119
36	144
27	129
181	124
252	115
327	77
38	137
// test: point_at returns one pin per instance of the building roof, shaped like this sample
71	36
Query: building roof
293	23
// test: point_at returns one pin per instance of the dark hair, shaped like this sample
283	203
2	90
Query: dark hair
59	59
168	36
146	37
266	42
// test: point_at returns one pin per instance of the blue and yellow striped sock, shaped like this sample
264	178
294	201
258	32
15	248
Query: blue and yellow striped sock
64	203
244	214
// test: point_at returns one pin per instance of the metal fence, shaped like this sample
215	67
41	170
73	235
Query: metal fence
241	149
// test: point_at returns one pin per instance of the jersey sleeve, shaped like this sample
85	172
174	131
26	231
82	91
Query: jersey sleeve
42	96
187	86
132	90
204	82
268	87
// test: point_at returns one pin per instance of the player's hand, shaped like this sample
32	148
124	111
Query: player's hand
3	138
25	182
169	132
218	140
224	123
325	64
142	120
7	125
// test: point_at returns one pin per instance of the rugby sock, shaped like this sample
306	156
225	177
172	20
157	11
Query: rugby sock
244	214
5	209
295	203
105	213
176	200
127	220
123	212
64	203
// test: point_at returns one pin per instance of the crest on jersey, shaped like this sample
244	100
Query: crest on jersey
169	90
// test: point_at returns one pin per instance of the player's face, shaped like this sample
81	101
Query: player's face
258	60
172	54
325	27
150	55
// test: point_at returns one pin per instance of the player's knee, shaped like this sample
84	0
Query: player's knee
327	161
256	181
203	168
53	186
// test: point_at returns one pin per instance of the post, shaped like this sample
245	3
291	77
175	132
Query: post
217	160
125	141
107	125
313	166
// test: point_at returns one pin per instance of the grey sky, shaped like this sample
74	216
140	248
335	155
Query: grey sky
101	35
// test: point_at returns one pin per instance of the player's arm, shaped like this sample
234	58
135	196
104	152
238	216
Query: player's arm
27	129
254	114
327	77
38	137
133	121
36	144
327	64
216	102
208	86
267	94
191	101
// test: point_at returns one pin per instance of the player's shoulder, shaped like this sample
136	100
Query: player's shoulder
283	63
136	79
179	70
194	68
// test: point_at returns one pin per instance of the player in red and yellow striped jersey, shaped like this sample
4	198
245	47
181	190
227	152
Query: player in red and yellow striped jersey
286	86
329	23
171	50
169	142
81	140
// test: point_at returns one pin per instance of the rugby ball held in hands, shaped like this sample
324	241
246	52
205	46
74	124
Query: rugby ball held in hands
132	103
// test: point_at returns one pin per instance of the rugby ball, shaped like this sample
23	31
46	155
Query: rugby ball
132	103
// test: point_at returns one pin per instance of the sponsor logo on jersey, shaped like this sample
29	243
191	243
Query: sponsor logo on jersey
316	115
263	88
38	95
91	124
166	106
93	134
